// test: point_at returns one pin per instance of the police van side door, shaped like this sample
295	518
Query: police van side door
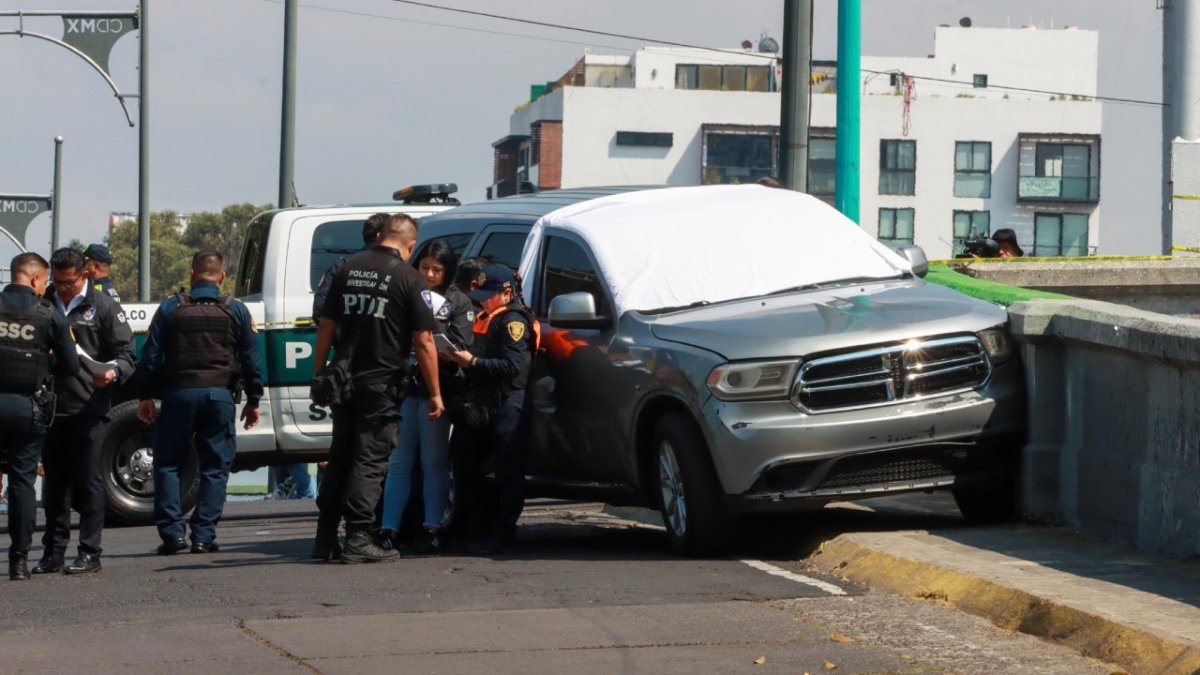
573	434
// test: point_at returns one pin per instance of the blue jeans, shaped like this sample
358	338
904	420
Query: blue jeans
209	414
301	482
430	441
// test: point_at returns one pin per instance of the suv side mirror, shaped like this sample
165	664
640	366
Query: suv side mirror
575	310
916	257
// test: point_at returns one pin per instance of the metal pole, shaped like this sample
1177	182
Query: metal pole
287	130
849	63
143	154
1181	93
796	94
57	204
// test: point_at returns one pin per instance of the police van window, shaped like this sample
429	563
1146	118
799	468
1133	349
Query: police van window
457	242
254	256
567	269
331	241
504	247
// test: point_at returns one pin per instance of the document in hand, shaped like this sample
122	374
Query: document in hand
92	366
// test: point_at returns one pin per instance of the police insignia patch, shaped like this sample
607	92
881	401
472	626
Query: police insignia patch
253	326
120	317
516	330
89	314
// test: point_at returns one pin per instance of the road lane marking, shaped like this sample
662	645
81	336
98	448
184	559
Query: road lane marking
792	576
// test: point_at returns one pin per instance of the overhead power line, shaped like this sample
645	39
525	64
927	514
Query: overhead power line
671	43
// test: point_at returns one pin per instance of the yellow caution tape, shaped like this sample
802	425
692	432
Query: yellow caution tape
1050	259
1189	249
1192	197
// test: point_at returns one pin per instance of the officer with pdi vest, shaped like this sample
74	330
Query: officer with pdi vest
71	457
499	362
201	345
30	330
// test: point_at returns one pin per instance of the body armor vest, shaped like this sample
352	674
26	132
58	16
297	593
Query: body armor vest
25	347
201	344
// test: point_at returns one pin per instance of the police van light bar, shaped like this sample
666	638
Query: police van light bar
424	194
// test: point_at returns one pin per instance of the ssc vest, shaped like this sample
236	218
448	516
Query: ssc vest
201	344
25	347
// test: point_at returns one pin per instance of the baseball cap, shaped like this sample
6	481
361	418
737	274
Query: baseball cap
99	253
492	279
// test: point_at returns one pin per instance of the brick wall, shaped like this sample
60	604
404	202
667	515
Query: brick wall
549	150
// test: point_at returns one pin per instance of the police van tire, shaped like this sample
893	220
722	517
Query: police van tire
689	494
127	470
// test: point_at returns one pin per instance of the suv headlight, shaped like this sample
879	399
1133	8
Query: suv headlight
752	380
997	343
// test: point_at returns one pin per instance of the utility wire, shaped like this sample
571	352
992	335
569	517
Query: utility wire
623	36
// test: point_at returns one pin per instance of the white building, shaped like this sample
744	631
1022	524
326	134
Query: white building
1001	131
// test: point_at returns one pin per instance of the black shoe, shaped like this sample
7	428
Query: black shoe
18	569
360	548
432	543
172	547
326	549
205	547
84	563
48	566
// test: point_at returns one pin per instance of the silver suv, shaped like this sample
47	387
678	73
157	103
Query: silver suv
722	351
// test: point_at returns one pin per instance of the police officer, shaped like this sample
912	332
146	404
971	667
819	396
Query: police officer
72	454
370	235
97	264
500	361
375	305
201	349
29	330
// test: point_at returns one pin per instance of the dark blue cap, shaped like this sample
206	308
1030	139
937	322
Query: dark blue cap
492	279
99	253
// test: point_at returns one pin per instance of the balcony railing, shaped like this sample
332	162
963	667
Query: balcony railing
1059	188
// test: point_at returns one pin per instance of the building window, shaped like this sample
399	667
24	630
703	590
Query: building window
972	169
1064	234
822	166
1070	162
980	81
896	227
723	78
897	167
968	224
649	138
739	156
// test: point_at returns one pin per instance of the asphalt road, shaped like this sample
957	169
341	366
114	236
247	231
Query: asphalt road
584	592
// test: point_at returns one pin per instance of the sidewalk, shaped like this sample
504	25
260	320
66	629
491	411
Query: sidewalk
1105	601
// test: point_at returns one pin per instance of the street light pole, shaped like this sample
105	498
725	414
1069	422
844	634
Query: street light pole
55	222
287	130
849	64
143	154
795	95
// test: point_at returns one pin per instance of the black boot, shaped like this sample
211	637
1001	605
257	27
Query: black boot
327	548
18	569
432	542
361	548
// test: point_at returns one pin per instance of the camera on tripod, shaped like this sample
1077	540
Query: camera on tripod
979	246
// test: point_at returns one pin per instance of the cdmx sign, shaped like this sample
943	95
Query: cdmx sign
110	25
18	211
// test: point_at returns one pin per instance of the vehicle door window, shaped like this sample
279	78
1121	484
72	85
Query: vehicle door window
333	240
504	247
566	269
254	256
456	242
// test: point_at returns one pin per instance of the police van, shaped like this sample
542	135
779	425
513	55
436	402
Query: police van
284	255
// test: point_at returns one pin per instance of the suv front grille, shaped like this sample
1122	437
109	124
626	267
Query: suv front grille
885	374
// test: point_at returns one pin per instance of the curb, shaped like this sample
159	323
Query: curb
1100	637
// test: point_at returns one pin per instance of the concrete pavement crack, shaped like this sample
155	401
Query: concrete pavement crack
254	635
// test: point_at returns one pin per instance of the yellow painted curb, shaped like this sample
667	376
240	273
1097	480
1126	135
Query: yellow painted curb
1010	608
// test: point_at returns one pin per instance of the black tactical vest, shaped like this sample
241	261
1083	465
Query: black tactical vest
201	344
25	347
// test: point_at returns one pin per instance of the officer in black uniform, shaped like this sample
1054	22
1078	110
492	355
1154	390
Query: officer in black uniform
29	330
201	350
72	454
375	304
97	263
500	361
370	235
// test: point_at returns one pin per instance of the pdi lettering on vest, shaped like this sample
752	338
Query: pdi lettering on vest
19	206
363	304
20	331
95	25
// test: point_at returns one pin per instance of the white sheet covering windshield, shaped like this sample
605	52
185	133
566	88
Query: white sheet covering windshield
675	247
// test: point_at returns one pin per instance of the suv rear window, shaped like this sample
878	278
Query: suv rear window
504	247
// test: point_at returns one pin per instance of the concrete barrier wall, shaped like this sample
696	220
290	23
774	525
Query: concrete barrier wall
1114	406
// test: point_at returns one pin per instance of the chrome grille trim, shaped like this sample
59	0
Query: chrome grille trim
885	375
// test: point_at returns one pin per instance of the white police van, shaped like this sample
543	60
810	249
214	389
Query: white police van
283	257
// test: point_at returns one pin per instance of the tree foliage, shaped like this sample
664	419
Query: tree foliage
172	244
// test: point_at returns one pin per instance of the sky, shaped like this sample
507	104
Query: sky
390	94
